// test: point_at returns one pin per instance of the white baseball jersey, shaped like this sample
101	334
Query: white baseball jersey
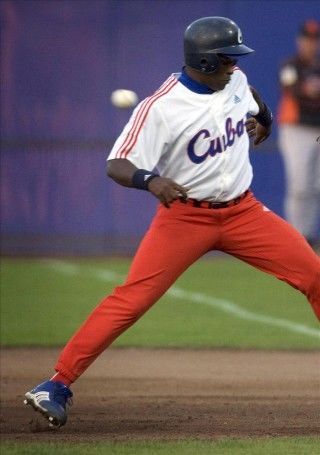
197	139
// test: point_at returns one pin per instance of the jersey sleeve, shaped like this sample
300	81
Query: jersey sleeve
253	107
145	137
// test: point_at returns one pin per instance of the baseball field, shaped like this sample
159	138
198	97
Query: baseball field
227	362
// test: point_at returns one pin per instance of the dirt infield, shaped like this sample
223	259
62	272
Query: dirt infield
131	394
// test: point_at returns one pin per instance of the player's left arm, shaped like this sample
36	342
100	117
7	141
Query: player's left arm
259	126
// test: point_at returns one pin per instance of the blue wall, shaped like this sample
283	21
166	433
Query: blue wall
60	62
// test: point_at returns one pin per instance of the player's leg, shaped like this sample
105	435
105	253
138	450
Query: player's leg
173	242
259	237
301	158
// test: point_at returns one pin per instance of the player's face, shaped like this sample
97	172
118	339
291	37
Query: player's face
221	77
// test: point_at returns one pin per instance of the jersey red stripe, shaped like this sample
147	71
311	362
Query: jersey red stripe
146	111
132	134
139	113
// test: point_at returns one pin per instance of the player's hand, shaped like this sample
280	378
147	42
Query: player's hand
166	190
259	132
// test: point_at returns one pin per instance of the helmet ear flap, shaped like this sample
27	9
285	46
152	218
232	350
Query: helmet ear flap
208	63
204	65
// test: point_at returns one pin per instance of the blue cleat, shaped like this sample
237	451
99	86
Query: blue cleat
52	400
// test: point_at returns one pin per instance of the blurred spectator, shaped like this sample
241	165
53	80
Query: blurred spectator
299	132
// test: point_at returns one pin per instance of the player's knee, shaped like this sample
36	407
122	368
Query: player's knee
313	293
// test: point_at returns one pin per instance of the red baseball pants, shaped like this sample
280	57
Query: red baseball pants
178	237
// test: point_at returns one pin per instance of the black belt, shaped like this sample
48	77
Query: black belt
214	205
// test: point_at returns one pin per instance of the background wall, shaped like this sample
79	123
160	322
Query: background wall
60	61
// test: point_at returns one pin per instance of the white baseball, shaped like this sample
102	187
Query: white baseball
124	99
288	75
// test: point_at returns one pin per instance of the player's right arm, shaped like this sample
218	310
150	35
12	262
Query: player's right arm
166	190
138	150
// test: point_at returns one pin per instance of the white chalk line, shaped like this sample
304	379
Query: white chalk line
63	267
226	306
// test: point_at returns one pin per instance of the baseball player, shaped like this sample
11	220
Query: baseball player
188	145
299	128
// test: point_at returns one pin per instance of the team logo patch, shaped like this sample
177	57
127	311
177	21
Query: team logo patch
236	99
203	144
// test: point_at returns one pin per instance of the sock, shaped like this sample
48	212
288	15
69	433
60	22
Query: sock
58	377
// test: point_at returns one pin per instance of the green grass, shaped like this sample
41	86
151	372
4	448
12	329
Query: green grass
43	305
280	446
